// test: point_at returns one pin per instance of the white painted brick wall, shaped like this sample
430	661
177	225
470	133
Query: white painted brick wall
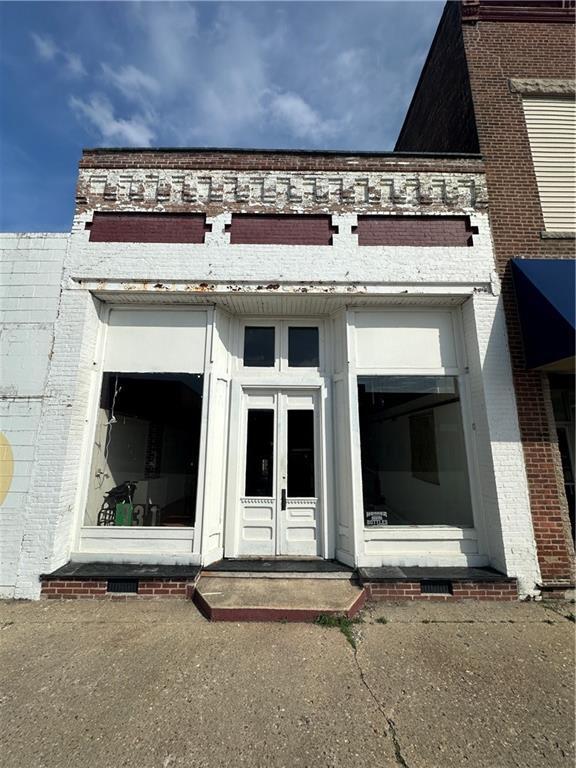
508	531
30	281
344	262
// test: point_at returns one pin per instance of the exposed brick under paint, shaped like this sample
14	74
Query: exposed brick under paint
414	230
281	229
148	228
92	590
462	590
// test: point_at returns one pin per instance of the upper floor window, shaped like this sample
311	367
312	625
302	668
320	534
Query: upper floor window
551	126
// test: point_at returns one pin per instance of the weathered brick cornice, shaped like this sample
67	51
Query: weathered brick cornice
278	160
177	188
555	11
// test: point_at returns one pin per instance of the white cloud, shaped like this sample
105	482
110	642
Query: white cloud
74	64
99	112
176	73
46	48
171	30
300	118
131	81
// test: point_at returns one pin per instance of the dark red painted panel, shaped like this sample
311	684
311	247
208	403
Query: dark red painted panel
148	228
415	230
282	229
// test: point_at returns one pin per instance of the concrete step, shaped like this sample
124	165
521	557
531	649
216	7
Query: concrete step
237	598
333	575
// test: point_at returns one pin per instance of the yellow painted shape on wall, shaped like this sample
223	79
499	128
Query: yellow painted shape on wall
6	466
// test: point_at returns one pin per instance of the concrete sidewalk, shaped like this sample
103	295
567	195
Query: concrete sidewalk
154	685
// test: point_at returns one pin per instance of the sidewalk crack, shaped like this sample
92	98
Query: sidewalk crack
391	725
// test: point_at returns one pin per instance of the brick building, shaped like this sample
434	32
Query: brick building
292	354
499	80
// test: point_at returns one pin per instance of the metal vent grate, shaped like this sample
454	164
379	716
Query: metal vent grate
120	585
436	587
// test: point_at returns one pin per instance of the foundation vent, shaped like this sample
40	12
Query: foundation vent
124	586
436	587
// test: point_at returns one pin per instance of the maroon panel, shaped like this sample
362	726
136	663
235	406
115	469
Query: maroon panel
281	230
415	230
148	228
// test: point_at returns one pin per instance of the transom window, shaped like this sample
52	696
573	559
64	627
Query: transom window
303	347
259	346
281	345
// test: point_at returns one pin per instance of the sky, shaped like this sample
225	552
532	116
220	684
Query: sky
307	75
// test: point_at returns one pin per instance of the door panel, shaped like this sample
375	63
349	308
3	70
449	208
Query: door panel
279	505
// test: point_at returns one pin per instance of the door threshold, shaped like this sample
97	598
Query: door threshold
282	566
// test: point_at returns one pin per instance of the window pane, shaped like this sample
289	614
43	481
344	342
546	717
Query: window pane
300	453
145	462
260	453
259	347
303	347
414	469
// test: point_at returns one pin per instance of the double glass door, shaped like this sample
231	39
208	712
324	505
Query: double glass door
278	505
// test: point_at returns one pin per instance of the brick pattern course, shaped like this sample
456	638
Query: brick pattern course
147	228
76	589
462	590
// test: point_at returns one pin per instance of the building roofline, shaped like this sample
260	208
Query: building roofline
419	83
259	151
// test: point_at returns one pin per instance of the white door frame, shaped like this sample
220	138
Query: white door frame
236	466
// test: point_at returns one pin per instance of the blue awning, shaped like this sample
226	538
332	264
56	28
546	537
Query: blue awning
545	292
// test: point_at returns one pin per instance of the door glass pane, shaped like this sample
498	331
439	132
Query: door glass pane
303	347
259	347
145	460
301	453
414	469
260	453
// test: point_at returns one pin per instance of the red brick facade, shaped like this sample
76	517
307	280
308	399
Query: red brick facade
148	228
496	52
504	40
414	230
281	229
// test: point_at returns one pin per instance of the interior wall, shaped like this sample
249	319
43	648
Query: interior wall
409	499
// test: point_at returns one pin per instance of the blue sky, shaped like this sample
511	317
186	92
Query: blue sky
261	74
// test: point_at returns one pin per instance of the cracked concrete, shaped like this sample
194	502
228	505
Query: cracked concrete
155	685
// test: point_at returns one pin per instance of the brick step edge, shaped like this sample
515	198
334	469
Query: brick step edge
461	590
263	614
98	590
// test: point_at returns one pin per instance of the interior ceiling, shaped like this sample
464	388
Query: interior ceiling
278	304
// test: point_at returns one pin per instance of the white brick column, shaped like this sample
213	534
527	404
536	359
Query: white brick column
504	487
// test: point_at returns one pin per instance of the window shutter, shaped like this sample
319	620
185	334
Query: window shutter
551	127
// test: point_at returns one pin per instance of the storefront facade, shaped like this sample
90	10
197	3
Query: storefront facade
263	354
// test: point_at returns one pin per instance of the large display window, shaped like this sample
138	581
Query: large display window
413	453
145	459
